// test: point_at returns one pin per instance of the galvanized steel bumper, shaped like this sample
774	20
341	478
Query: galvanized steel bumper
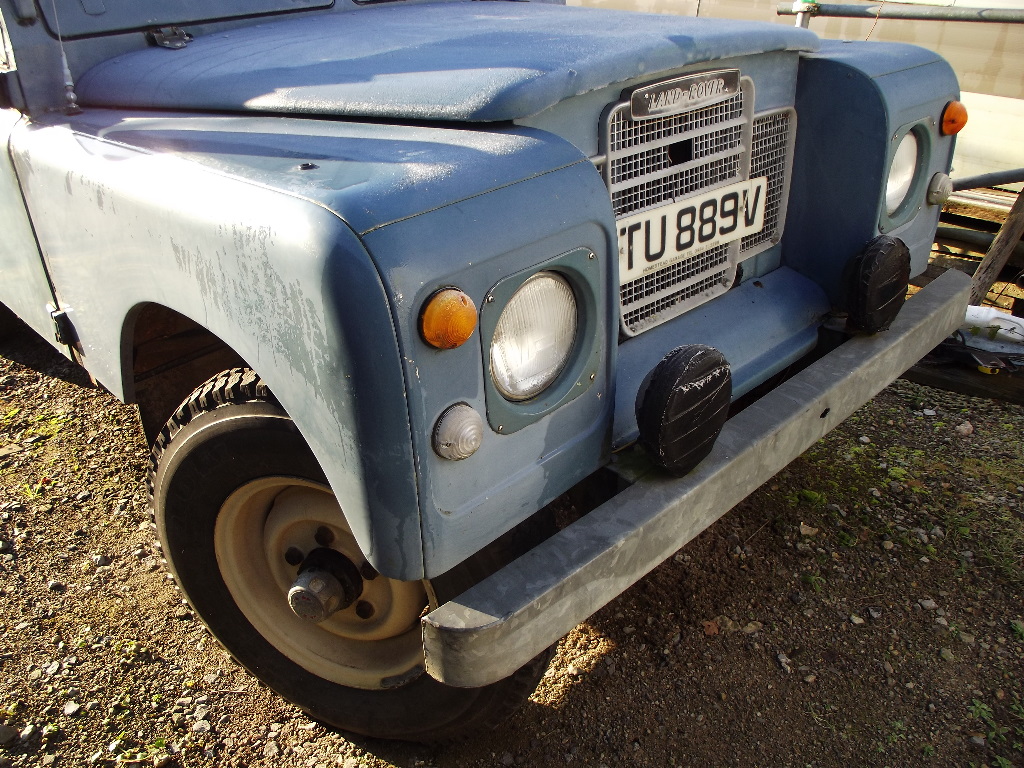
501	623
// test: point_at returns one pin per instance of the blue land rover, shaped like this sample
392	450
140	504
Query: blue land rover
385	279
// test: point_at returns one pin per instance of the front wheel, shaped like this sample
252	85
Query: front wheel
261	549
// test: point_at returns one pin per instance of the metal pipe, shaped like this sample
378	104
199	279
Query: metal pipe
982	240
929	13
804	11
986	180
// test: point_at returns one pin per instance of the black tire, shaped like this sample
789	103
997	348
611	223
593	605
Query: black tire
9	322
231	434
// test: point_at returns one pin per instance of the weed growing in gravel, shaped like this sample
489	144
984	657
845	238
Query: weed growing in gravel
148	754
897	732
1018	631
996	535
813	580
995	732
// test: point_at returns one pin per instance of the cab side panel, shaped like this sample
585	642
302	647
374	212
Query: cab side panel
24	288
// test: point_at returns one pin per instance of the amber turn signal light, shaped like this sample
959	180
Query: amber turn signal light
448	319
954	118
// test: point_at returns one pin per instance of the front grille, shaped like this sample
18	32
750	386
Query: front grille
769	157
652	193
650	162
691	151
707	287
623	132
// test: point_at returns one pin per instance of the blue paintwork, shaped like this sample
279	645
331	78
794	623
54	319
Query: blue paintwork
279	278
238	238
447	61
371	175
474	245
24	287
309	245
837	211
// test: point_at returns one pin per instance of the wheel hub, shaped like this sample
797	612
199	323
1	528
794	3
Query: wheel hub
342	620
327	582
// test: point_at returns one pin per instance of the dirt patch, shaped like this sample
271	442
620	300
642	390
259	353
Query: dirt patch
862	608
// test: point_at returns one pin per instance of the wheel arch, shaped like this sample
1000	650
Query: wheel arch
166	354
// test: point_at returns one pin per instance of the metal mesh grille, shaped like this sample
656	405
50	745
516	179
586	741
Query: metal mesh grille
624	132
656	161
677	185
667	155
768	158
649	313
656	282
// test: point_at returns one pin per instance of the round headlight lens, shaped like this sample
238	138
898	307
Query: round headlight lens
901	173
534	336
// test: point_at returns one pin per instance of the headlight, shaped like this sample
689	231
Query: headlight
901	173
534	336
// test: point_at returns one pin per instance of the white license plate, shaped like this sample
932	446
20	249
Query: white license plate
654	239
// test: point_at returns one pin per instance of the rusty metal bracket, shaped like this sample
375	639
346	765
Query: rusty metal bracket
174	38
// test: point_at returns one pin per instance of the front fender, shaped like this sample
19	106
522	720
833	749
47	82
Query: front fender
282	280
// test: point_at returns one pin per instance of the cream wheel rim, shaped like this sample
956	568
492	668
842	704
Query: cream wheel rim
262	530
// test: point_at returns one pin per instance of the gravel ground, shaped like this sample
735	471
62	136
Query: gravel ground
863	608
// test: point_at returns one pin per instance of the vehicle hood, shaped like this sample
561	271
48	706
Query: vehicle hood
461	61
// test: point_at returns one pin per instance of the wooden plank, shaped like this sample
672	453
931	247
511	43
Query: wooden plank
999	253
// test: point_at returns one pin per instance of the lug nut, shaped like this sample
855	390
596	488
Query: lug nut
324	536
368	572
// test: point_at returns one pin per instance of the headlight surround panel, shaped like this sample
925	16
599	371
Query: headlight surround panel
580	271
